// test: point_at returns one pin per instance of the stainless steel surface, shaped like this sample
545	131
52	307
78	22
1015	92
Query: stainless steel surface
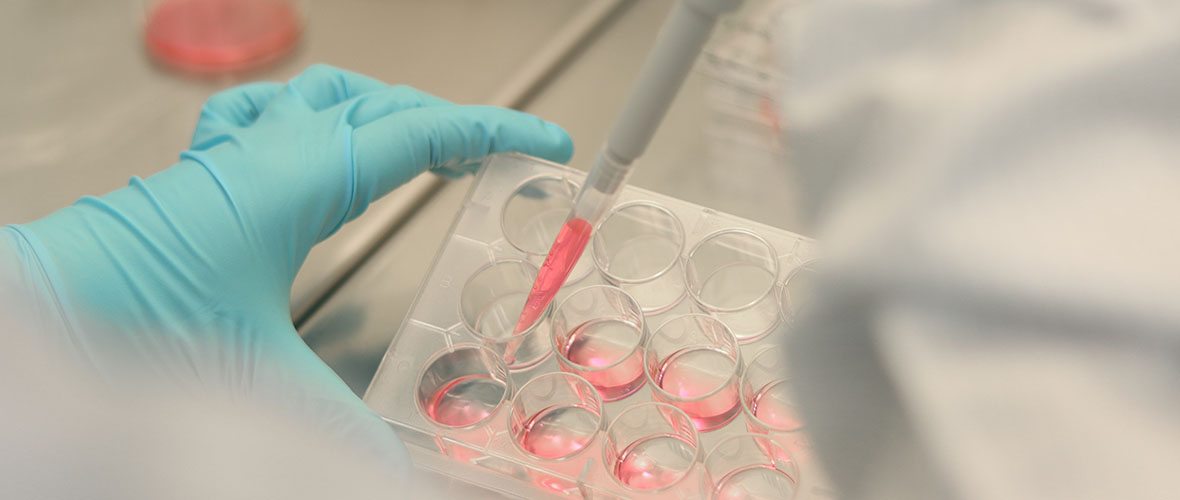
84	108
355	326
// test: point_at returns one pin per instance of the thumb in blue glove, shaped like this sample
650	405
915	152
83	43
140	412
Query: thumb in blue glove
185	276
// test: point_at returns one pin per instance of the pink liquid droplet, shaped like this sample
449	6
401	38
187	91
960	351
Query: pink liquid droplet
564	254
772	406
703	382
610	347
755	482
558	432
465	401
655	462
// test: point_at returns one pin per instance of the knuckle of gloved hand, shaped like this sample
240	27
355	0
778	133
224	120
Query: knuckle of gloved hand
406	92
321	70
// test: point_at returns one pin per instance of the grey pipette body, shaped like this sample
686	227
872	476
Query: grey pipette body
680	41
677	46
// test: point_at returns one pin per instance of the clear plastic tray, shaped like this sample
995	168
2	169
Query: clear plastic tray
486	455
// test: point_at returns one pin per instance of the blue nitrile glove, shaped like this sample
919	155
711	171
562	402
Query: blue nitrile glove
185	276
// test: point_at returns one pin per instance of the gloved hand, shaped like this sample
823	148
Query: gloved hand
185	276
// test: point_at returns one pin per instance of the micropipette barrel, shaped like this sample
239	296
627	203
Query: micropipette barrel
680	41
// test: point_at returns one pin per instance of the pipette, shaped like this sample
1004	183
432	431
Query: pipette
680	41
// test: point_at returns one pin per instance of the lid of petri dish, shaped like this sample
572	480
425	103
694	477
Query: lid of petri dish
221	36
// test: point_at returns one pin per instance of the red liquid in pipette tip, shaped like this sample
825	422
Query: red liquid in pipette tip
566	251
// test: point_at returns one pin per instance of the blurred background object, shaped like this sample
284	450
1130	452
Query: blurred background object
221	36
743	84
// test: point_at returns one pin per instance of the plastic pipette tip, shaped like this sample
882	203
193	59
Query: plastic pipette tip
564	254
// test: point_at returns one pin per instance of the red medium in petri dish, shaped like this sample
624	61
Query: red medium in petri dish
212	36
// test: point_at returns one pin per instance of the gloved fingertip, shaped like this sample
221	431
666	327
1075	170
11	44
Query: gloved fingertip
562	148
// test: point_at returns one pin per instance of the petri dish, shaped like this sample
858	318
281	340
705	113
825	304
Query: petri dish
221	36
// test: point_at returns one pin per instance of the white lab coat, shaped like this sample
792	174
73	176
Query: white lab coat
998	186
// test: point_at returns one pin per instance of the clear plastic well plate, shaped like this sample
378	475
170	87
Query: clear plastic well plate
448	384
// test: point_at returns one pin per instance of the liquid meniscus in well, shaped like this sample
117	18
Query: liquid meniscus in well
703	381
